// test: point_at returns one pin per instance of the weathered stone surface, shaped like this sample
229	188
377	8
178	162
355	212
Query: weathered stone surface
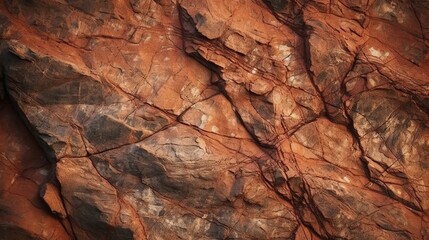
215	119
23	169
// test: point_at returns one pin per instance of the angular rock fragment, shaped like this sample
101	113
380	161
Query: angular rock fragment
51	196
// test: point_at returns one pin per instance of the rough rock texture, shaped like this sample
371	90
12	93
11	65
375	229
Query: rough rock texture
214	119
23	170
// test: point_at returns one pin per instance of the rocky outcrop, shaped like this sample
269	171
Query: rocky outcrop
213	119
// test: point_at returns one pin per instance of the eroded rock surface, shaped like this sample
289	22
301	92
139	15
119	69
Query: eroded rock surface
216	119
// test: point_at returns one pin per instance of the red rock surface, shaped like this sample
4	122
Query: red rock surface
215	119
23	169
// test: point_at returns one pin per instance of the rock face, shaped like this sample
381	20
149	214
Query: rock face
214	119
